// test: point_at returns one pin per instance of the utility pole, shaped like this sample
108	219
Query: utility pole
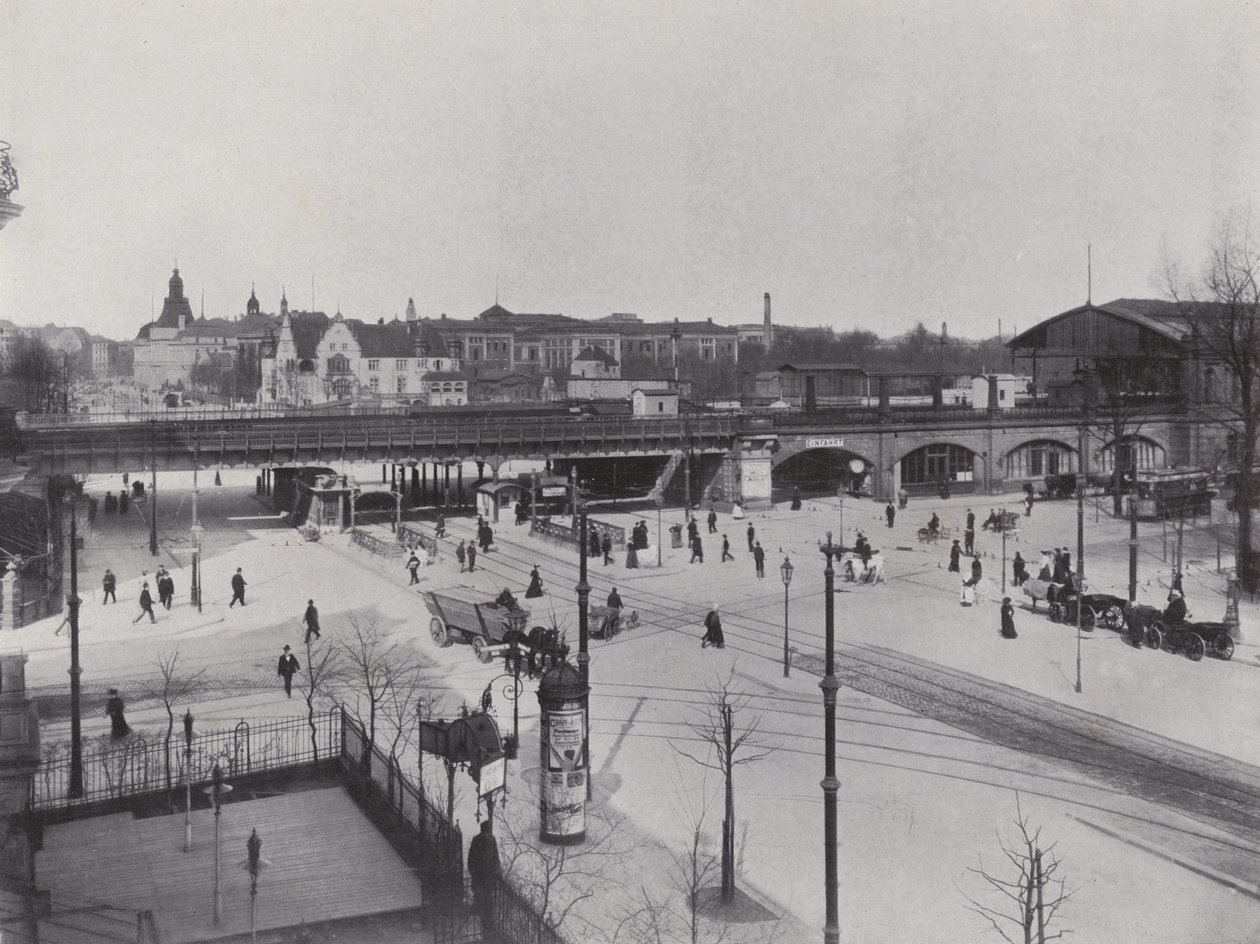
1080	543
830	783
72	601
584	657
1133	528
153	548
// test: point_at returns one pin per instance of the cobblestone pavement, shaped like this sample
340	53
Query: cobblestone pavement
1215	789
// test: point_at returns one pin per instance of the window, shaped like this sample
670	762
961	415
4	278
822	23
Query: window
660	407
935	463
374	364
374	384
400	384
400	364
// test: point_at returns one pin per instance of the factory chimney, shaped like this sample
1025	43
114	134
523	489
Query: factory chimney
768	334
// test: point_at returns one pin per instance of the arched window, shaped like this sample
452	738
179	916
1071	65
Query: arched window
1034	460
939	461
305	366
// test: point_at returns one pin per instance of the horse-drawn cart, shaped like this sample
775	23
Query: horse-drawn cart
606	622
467	614
1195	639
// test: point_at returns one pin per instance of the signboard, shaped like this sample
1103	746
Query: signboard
557	491
826	442
493	776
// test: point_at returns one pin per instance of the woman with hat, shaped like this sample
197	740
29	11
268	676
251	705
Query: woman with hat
118	727
713	630
535	589
1008	619
1175	615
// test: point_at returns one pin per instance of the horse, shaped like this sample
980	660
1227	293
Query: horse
1037	589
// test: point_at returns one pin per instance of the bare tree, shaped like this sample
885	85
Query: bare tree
172	687
1118	404
1222	305
371	665
1028	893
734	745
316	679
410	698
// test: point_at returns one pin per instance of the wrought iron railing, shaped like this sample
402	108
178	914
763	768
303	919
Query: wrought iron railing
370	542
138	765
411	536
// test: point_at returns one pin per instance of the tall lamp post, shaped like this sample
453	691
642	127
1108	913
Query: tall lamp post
72	602
153	548
196	529
830	784
584	658
786	570
1082	478
188	739
253	864
217	791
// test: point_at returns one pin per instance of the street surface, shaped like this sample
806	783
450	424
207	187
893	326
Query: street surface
1146	780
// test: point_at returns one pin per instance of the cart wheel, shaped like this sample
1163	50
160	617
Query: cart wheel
1194	646
480	651
1154	637
437	629
924	533
1113	617
1056	612
1223	647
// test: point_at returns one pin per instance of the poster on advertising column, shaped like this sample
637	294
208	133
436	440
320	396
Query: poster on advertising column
564	780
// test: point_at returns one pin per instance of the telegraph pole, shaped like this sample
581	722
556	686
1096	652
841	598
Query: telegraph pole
153	548
584	657
830	783
72	601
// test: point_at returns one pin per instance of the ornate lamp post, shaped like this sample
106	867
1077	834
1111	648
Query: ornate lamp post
188	739
253	864
830	784
217	790
72	603
786	570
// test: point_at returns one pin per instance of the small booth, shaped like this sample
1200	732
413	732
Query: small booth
322	502
491	496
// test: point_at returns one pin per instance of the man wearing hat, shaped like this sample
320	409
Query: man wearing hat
713	630
287	668
1175	615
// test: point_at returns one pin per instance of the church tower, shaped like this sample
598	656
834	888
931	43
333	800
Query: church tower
251	306
411	309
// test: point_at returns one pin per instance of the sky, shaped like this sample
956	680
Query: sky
870	164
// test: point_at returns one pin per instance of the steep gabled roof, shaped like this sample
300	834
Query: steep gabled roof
596	354
391	339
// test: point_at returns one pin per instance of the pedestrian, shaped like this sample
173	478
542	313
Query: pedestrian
969	538
238	589
146	606
1008	620
713	630
1028	503
1176	587
1060	570
903	498
697	550
125	479
890	513
520	514
726	550
796	498
108	584
955	555
483	870
472	557
692	530
460	554
759	559
632	556
1019	570
486	538
712	521
752	535
109	503
122	503
977	571
287	669
614	600
971	520
606	547
92	506
439	528
535	589
118	727
217	479
413	565
311	619
167	583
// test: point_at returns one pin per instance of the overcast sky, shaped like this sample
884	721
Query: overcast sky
870	164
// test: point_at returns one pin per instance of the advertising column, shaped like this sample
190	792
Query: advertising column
562	794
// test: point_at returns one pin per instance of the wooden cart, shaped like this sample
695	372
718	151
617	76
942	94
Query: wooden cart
468	614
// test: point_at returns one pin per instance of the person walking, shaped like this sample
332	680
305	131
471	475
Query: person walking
460	554
535	588
1019	570
472	557
692	530
1008	620
796	498
486	537
108	585
606	546
413	565
971	520
697	550
1028	503
632	556
759	559
122	502
969	537
166	587
118	727
955	556
890	512
483	870
977	571
146	606
311	619
286	669
752	536
439	527
713	630
238	589
726	550
712	521
903	497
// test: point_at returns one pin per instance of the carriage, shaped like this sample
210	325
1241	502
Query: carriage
1195	639
1063	601
606	622
927	536
1008	521
857	572
465	613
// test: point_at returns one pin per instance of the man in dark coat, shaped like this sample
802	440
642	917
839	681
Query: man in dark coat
697	550
439	527
311	619
713	630
472	557
1175	614
520	513
752	534
614	600
238	589
108	584
483	868
166	587
286	669
692	530
118	727
460	554
1008	619
726	550
712	521
122	503
969	538
535	588
977	571
759	559
146	606
796	499
1019	571
971	520
955	555
606	546
890	512
413	567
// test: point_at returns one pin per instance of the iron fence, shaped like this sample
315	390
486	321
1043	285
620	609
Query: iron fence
410	535
374	544
138	765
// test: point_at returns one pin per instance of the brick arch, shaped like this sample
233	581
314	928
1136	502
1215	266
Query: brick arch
795	447
976	449
1004	460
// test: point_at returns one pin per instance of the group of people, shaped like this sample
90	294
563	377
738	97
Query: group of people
116	505
165	586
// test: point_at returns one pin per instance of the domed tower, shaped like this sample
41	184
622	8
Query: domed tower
8	184
411	309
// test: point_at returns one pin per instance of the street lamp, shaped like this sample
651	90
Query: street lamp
253	864
830	783
188	739
786	570
72	602
217	791
153	542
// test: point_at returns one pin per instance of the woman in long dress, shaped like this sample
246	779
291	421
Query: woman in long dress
118	727
535	589
632	557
